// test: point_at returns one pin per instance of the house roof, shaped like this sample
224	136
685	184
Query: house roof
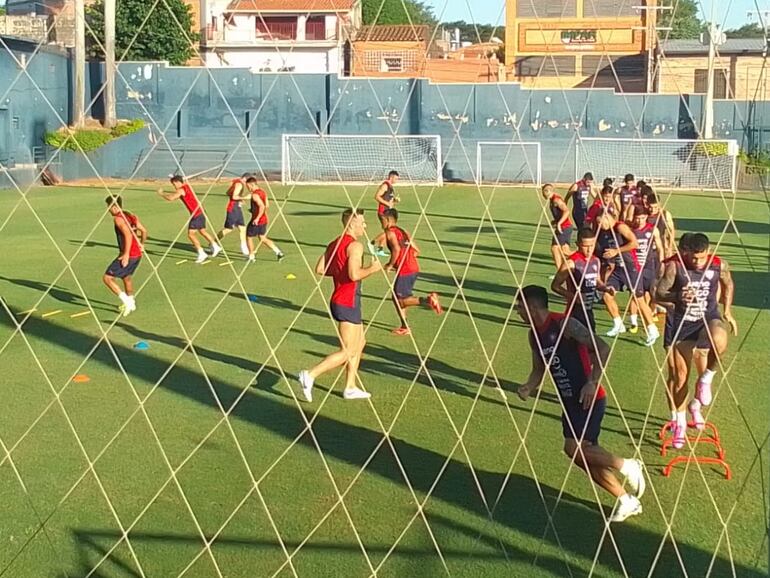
732	46
292	5
393	33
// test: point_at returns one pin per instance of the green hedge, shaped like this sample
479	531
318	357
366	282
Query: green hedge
89	140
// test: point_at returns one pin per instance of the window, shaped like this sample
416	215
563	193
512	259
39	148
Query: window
609	66
213	22
315	28
276	27
546	8
545	66
611	8
379	61
720	82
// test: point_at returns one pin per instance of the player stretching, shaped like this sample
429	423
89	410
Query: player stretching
581	194
566	347
697	331
627	198
403	260
386	199
234	215
197	222
579	278
258	221
343	262
618	248
561	226
131	236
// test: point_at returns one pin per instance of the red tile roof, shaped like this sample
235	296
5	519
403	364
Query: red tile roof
393	33
292	5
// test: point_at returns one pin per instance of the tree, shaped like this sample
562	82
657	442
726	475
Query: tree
682	18
396	12
475	33
750	30
165	34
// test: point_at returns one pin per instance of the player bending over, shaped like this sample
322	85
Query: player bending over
343	262
131	236
561	226
258	221
581	193
566	347
234	215
403	260
197	224
386	199
697	332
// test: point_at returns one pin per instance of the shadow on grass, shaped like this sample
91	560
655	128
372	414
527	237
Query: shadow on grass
61	294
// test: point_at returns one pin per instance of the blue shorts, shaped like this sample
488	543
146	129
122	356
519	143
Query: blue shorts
341	314
256	230
579	218
586	317
585	423
405	285
626	278
119	272
690	330
234	218
562	238
197	223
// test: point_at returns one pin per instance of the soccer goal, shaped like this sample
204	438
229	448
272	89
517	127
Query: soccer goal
506	163
677	164
360	159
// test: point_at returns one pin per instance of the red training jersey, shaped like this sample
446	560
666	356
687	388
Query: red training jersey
389	195
255	207
191	201
135	251
336	259
598	208
556	212
231	204
407	258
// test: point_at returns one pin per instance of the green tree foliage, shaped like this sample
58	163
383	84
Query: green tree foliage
475	33
751	30
165	34
683	19
396	12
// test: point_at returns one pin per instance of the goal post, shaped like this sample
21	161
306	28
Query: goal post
508	163
360	159
709	165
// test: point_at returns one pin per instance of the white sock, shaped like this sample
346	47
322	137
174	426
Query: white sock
681	419
708	376
673	415
634	320
628	467
617	321
124	298
652	329
132	299
625	499
215	246
276	250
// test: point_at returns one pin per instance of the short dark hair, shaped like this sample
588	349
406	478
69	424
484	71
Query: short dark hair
390	214
628	177
645	190
586	233
608	182
246	175
393	174
685	242
641	183
607	190
114	200
639	210
652	198
347	214
588	177
177	179
699	243
251	180
534	295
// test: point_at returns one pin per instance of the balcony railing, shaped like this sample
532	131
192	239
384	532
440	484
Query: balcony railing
282	34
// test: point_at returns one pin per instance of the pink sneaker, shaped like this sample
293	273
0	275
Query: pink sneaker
703	392
680	436
697	416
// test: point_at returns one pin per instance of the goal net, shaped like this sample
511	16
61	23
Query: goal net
335	159
506	163
678	164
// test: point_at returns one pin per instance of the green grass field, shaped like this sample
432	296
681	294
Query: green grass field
196	460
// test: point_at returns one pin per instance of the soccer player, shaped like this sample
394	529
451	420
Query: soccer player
664	222
131	236
234	214
692	283
343	262
258	221
197	224
649	255
581	194
606	203
627	198
561	226
618	246
403	260
567	349
579	278
386	198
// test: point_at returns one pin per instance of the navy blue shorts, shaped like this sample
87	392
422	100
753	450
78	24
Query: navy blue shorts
579	218
256	230
197	223
119	272
586	317
626	279
562	238
405	285
341	313
649	278
585	423
690	331
234	218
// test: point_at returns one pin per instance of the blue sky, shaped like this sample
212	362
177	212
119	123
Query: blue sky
731	12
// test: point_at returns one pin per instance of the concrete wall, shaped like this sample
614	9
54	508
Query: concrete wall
300	59
32	28
747	77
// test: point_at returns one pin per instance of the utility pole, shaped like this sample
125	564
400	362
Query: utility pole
79	74
109	64
715	38
652	11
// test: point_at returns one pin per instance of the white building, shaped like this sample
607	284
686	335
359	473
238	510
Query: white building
306	36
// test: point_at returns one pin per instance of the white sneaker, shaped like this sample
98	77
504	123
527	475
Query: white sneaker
372	249
306	381
652	337
201	258
245	250
635	477
615	331
356	394
624	509
215	250
252	258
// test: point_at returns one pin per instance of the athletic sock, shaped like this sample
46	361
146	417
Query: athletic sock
625	499
674	416
617	321
627	467
124	298
276	250
708	376
652	329
634	320
681	418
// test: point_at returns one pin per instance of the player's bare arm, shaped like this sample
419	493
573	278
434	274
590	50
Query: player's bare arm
535	376
128	235
395	250
665	290
255	217
630	244
379	196
356	271
171	196
141	233
571	191
598	352
728	294
237	190
659	247
559	283
564	213
320	266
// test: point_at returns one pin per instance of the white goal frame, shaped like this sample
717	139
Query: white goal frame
537	173
585	164
286	163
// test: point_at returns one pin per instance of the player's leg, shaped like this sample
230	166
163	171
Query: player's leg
403	298
112	285
242	235
193	228
215	247
683	353
611	303
712	343
265	240
117	271
224	232
353	340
